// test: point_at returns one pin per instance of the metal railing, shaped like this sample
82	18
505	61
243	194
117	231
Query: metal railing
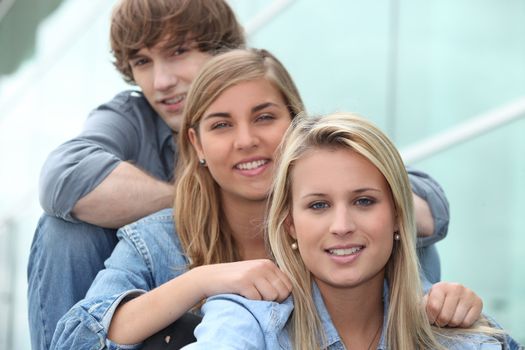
466	131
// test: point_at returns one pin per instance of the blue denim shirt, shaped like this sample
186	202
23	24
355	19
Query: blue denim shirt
148	254
233	322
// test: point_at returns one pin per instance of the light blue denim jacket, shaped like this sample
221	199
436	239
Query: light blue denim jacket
149	254
233	322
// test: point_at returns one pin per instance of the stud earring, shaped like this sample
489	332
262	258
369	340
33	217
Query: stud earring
397	237
294	246
202	162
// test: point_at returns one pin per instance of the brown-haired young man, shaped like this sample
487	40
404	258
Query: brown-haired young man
120	167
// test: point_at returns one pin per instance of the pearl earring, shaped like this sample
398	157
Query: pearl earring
294	246
397	237
202	162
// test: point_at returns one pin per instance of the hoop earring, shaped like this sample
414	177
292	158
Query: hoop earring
294	246
202	162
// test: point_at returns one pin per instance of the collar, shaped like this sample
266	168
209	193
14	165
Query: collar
332	337
165	135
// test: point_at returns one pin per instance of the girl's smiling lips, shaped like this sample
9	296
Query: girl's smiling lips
345	253
252	166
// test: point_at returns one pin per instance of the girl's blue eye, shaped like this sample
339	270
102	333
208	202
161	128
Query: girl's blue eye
264	117
364	202
318	205
219	125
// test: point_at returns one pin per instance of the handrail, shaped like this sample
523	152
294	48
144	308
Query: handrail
465	131
266	15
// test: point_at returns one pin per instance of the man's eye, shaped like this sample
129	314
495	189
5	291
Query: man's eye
180	51
139	62
318	205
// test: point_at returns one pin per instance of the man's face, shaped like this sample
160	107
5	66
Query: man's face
165	77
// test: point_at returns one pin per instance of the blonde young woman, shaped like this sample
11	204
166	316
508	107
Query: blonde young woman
341	226
236	113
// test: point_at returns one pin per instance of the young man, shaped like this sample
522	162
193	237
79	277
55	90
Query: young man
120	168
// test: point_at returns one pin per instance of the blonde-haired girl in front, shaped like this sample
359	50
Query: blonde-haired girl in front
341	226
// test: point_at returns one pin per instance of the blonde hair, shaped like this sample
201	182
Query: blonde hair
407	325
199	220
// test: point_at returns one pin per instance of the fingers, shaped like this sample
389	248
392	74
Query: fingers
452	305
473	314
272	284
254	279
433	302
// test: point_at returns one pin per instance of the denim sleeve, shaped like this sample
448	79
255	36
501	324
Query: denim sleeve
233	322
427	188
147	255
82	328
76	167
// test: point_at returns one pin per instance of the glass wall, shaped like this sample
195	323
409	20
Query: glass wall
415	68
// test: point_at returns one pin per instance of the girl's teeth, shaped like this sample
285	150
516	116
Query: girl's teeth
347	251
251	165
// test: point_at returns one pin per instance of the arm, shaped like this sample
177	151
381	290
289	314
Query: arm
130	271
429	198
115	132
125	195
147	314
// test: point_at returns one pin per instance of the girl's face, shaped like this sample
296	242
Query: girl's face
238	136
343	218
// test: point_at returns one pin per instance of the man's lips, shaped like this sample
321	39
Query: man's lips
173	100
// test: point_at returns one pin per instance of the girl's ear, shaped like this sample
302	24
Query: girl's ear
290	227
195	142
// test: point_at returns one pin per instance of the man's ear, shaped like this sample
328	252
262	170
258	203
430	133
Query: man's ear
290	227
195	142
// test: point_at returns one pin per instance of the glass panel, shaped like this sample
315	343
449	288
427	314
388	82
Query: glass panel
415	68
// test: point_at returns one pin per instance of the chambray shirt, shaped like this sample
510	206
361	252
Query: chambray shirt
124	129
149	254
233	322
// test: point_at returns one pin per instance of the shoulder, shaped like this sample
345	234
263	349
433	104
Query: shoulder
233	322
127	99
159	224
472	342
271	316
154	236
130	104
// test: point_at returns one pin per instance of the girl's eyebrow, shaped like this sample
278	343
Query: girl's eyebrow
357	191
263	106
253	110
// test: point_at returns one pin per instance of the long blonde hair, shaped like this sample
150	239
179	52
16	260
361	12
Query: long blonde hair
407	325
199	220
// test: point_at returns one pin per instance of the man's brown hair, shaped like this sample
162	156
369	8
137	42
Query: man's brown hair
136	24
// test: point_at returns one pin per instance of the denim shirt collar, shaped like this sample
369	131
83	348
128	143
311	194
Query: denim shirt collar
332	336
